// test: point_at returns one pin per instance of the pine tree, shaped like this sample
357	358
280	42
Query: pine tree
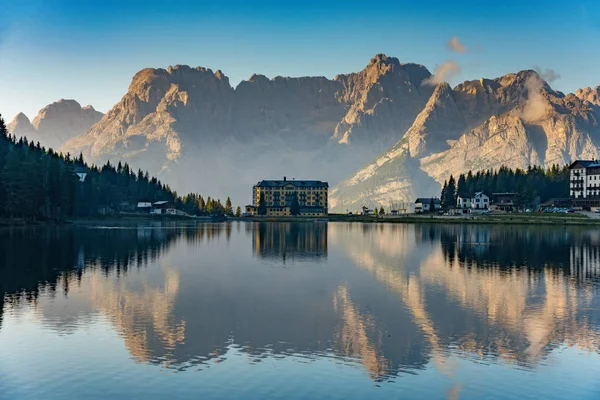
13	189
443	194
295	205
461	188
262	205
238	211
449	199
228	207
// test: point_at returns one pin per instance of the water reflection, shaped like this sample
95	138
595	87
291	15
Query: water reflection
393	298
290	241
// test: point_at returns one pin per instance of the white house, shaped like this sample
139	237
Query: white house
479	201
463	202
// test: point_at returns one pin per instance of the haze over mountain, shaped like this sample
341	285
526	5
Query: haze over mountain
195	130
388	133
55	123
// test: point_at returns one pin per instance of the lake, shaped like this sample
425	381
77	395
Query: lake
248	310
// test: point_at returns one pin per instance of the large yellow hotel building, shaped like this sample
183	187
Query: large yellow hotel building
278	196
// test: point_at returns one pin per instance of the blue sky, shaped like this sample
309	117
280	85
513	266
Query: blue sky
89	50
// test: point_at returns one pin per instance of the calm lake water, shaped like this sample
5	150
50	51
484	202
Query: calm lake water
300	311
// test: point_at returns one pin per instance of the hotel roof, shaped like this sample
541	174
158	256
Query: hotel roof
296	183
585	163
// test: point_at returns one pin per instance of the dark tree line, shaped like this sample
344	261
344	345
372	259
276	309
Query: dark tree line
36	183
549	183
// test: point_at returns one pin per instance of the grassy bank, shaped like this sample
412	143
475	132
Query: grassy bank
500	219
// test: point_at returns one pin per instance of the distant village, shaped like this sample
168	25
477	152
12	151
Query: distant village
309	198
574	188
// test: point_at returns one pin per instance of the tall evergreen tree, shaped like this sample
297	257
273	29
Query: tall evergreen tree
461	188
443	195
262	205
449	198
295	205
228	207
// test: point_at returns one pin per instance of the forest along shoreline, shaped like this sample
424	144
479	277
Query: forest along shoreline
41	186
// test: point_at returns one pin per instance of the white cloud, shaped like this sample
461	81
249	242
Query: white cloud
455	45
443	72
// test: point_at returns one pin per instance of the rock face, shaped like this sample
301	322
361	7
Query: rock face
516	120
382	98
590	95
189	126
56	123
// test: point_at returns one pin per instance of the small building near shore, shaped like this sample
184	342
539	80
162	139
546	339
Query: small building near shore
163	207
143	206
560	202
423	204
506	201
478	201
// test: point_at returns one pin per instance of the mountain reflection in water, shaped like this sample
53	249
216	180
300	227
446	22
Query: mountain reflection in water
392	298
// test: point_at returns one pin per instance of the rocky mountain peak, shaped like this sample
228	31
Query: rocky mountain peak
21	118
63	108
590	95
62	120
383	63
441	90
258	78
55	123
384	90
221	76
21	126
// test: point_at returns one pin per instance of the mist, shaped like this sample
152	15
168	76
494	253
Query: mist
443	73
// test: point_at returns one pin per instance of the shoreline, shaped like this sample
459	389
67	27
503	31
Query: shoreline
123	219
497	219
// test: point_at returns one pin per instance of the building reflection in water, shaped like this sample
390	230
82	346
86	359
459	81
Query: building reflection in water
290	241
400	298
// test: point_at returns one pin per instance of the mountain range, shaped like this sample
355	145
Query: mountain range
383	135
